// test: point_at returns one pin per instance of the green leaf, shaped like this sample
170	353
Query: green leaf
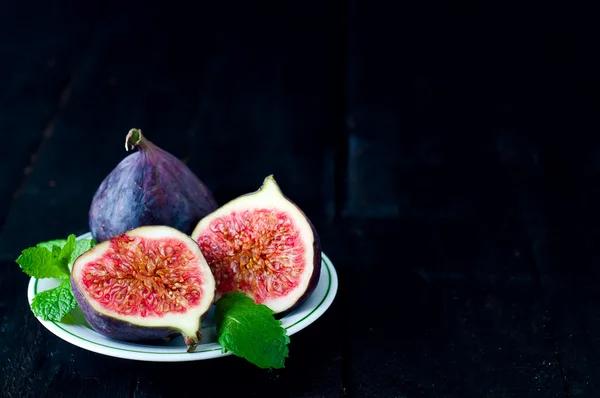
67	249
54	304
81	246
40	262
250	331
54	258
51	243
56	252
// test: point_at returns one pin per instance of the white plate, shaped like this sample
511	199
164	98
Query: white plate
75	330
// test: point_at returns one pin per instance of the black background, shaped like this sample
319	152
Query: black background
447	153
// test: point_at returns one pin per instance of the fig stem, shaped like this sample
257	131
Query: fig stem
133	138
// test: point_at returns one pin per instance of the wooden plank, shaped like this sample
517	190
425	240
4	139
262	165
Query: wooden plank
33	83
426	114
264	110
465	342
576	327
458	334
566	259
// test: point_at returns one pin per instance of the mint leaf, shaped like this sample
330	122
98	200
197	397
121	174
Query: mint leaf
40	262
81	246
54	258
250	331
54	304
51	243
67	249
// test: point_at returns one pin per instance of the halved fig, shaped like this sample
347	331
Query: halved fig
148	284
262	244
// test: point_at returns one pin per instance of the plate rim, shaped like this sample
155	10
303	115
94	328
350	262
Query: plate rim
208	353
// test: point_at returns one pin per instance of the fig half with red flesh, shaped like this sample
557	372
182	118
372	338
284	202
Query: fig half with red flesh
262	244
148	284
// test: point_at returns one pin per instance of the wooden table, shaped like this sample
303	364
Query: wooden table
463	232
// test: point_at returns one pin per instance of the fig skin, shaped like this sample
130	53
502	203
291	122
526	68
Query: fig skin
314	279
148	187
118	329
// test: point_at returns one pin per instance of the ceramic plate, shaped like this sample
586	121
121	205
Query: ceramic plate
75	330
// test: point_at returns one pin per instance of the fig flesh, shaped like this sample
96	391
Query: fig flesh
262	244
148	284
148	187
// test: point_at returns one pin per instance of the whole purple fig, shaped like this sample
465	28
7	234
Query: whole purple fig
148	187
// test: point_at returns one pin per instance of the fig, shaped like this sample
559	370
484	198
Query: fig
149	284
262	244
148	187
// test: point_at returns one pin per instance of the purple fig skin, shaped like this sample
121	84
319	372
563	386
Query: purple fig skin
314	278
117	329
149	187
124	331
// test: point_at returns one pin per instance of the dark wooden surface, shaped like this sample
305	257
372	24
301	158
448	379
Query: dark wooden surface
449	158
